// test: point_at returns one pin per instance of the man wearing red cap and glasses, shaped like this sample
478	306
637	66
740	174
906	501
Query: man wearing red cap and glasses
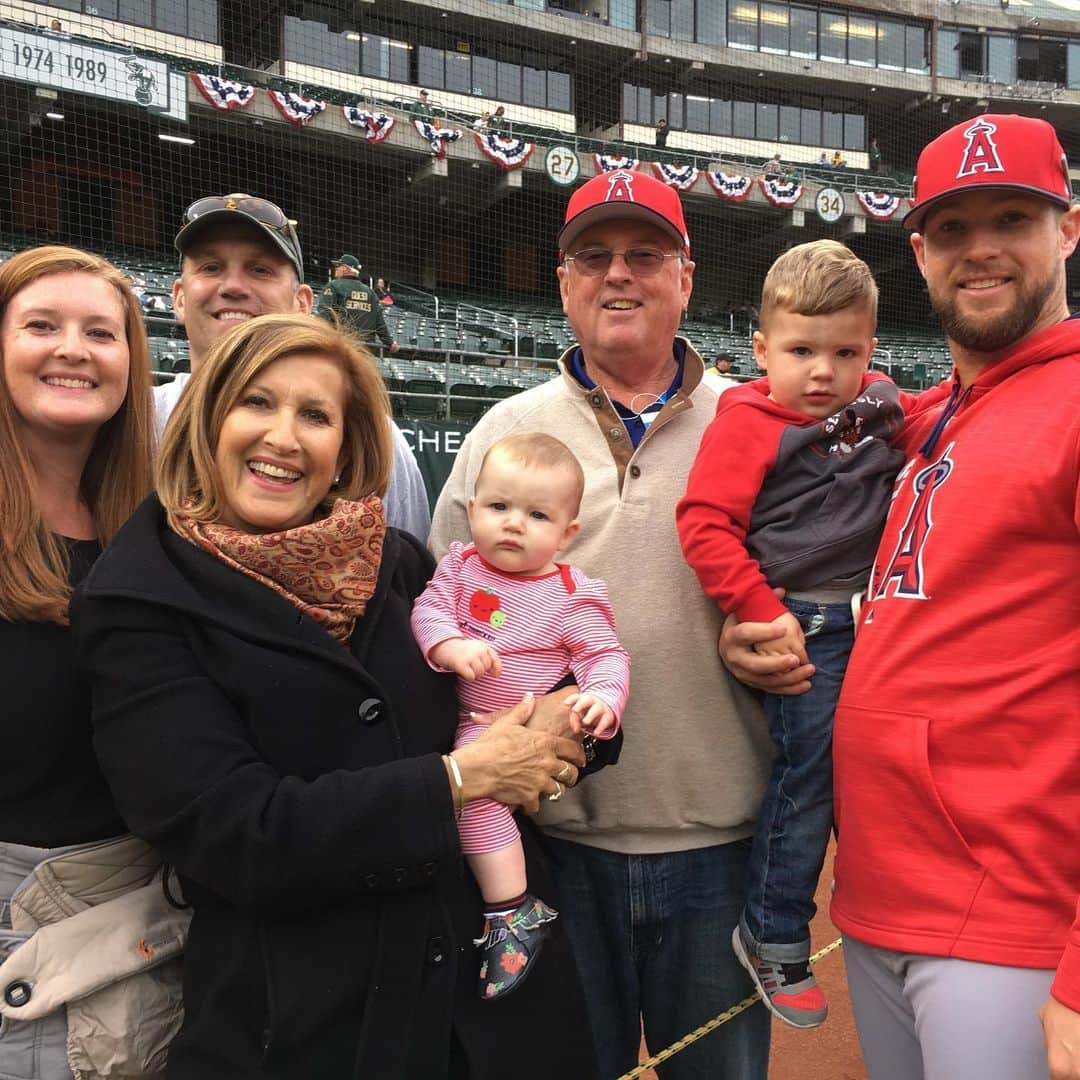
240	257
648	857
957	736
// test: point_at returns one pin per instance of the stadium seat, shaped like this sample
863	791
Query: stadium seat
504	390
425	407
396	389
469	406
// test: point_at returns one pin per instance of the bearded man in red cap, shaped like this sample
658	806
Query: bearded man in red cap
649	857
957	736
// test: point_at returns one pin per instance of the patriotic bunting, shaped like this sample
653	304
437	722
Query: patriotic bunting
878	204
682	177
377	125
781	192
437	138
224	93
731	187
506	151
296	109
613	163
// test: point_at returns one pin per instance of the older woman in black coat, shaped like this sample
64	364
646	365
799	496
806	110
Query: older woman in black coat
266	721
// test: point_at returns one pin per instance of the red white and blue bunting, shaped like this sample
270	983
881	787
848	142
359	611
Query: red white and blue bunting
377	125
506	151
437	138
682	177
782	193
613	163
730	186
295	108
224	93
878	204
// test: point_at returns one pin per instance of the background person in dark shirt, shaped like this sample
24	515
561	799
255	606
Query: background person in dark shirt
420	109
355	303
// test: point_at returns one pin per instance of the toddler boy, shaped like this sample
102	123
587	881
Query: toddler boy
790	488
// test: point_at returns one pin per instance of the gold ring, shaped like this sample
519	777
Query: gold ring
564	773
555	796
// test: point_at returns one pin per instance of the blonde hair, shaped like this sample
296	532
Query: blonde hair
535	450
116	477
818	278
187	477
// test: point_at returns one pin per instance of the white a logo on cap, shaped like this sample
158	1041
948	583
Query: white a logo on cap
620	187
980	153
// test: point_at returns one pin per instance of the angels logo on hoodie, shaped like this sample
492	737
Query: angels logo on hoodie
904	567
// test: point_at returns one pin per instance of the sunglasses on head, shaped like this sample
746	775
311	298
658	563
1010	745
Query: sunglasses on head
262	210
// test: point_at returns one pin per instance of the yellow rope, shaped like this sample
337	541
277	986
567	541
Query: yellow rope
712	1025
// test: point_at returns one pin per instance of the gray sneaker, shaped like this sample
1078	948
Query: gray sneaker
789	991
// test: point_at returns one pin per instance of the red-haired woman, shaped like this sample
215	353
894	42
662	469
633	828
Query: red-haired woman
75	438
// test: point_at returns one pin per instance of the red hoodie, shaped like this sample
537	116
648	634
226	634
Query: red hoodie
957	735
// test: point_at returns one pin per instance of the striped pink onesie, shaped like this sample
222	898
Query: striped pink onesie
543	628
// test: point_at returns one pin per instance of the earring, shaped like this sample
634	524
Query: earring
337	479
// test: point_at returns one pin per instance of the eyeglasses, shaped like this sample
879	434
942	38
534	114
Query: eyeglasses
644	261
262	210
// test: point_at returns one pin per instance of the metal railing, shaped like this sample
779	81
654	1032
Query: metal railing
413	299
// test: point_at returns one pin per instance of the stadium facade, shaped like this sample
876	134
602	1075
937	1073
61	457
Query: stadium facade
118	113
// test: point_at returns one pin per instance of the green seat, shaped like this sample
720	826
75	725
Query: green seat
396	389
469	406
420	401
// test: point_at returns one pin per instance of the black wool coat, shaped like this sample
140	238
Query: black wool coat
297	787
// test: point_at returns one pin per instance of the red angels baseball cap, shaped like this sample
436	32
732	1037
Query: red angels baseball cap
991	151
623	194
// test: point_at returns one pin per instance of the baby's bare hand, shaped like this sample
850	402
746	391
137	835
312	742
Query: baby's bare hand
469	659
591	714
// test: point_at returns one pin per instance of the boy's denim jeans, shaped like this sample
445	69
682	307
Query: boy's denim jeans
797	812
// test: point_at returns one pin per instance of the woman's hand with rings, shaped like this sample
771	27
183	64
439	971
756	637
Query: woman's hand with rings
516	765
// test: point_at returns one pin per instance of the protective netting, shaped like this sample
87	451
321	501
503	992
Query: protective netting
118	113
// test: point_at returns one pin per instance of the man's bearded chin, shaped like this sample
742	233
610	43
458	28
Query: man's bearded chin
994	333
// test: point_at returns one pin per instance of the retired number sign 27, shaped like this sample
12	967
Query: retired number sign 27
562	166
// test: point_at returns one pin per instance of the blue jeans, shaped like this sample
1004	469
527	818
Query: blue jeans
797	812
652	938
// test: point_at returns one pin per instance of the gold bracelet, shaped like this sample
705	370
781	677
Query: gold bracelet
459	784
